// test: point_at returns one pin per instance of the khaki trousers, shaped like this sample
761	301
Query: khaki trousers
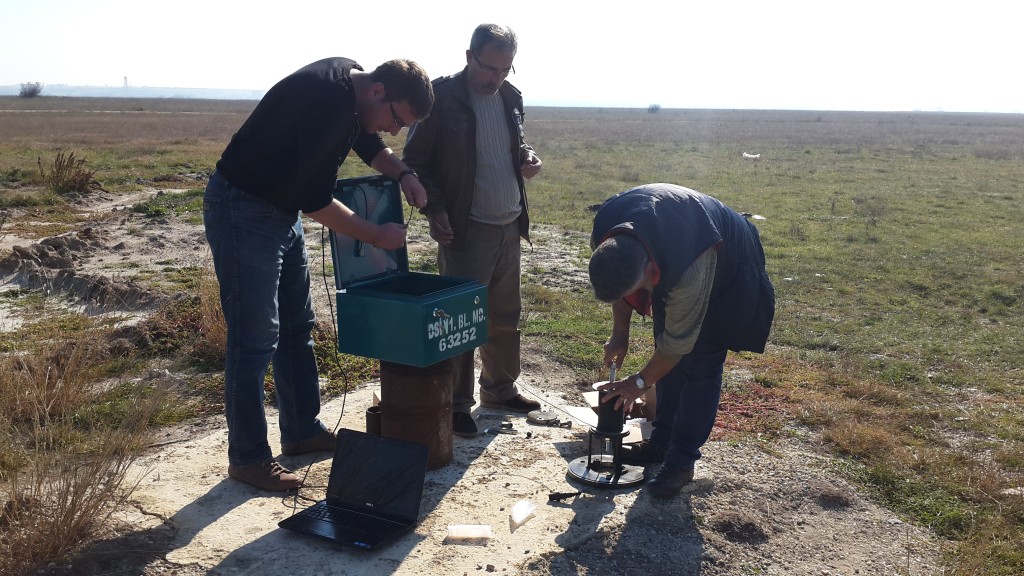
491	257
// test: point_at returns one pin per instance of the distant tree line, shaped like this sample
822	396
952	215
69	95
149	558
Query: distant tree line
30	89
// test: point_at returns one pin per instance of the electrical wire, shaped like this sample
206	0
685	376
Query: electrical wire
324	247
524	388
412	211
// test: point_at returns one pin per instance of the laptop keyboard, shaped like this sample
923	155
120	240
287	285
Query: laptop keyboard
350	519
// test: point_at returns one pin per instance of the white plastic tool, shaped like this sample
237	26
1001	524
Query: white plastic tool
469	531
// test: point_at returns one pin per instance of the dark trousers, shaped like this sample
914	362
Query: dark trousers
688	404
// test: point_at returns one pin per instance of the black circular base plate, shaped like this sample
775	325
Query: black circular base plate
600	471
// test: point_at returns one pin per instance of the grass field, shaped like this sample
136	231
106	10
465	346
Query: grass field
893	240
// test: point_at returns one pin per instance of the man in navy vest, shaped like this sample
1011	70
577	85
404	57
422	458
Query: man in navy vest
697	267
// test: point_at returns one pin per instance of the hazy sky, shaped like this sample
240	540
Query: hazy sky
862	55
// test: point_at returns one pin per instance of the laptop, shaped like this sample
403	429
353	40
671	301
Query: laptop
373	492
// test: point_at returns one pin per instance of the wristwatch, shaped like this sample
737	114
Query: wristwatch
407	172
640	382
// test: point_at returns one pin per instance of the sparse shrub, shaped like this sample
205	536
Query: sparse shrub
796	232
833	203
30	89
654	108
163	204
63	464
191	327
68	176
213	331
870	208
12	176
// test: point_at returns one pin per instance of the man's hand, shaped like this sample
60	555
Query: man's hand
415	193
622	392
530	165
440	228
615	350
389	236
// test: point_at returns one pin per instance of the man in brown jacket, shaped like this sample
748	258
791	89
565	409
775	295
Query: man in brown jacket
471	156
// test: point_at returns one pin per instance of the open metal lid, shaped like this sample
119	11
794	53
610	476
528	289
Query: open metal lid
379	200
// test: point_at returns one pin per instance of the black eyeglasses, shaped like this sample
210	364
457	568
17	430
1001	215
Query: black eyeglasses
394	117
492	70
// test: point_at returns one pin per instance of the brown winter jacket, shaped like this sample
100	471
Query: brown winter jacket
442	150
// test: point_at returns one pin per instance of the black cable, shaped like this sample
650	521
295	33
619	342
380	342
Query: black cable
519	384
324	247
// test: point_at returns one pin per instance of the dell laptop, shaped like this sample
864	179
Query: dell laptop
373	493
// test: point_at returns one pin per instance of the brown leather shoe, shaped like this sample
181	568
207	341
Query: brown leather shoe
268	475
517	403
324	441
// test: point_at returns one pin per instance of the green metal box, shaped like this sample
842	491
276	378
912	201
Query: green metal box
387	312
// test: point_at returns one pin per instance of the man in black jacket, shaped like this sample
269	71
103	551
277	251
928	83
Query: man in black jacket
282	162
697	267
472	157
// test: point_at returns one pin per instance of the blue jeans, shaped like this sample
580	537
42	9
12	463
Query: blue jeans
259	254
687	400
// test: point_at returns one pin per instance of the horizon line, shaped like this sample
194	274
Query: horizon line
192	93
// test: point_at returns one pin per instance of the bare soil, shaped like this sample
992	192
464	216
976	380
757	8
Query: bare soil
775	506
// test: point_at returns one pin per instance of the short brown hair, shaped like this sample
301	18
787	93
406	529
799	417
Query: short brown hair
406	81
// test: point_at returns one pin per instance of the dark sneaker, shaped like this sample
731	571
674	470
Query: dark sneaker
517	403
643	452
669	481
324	441
464	425
268	475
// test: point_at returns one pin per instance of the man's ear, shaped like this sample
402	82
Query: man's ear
378	92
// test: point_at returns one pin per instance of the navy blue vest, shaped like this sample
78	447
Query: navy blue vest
677	225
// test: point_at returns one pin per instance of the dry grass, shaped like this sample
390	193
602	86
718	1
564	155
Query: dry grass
213	331
67	122
68	445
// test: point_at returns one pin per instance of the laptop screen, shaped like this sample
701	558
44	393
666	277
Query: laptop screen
378	475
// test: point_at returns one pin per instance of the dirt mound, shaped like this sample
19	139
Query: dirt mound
50	266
